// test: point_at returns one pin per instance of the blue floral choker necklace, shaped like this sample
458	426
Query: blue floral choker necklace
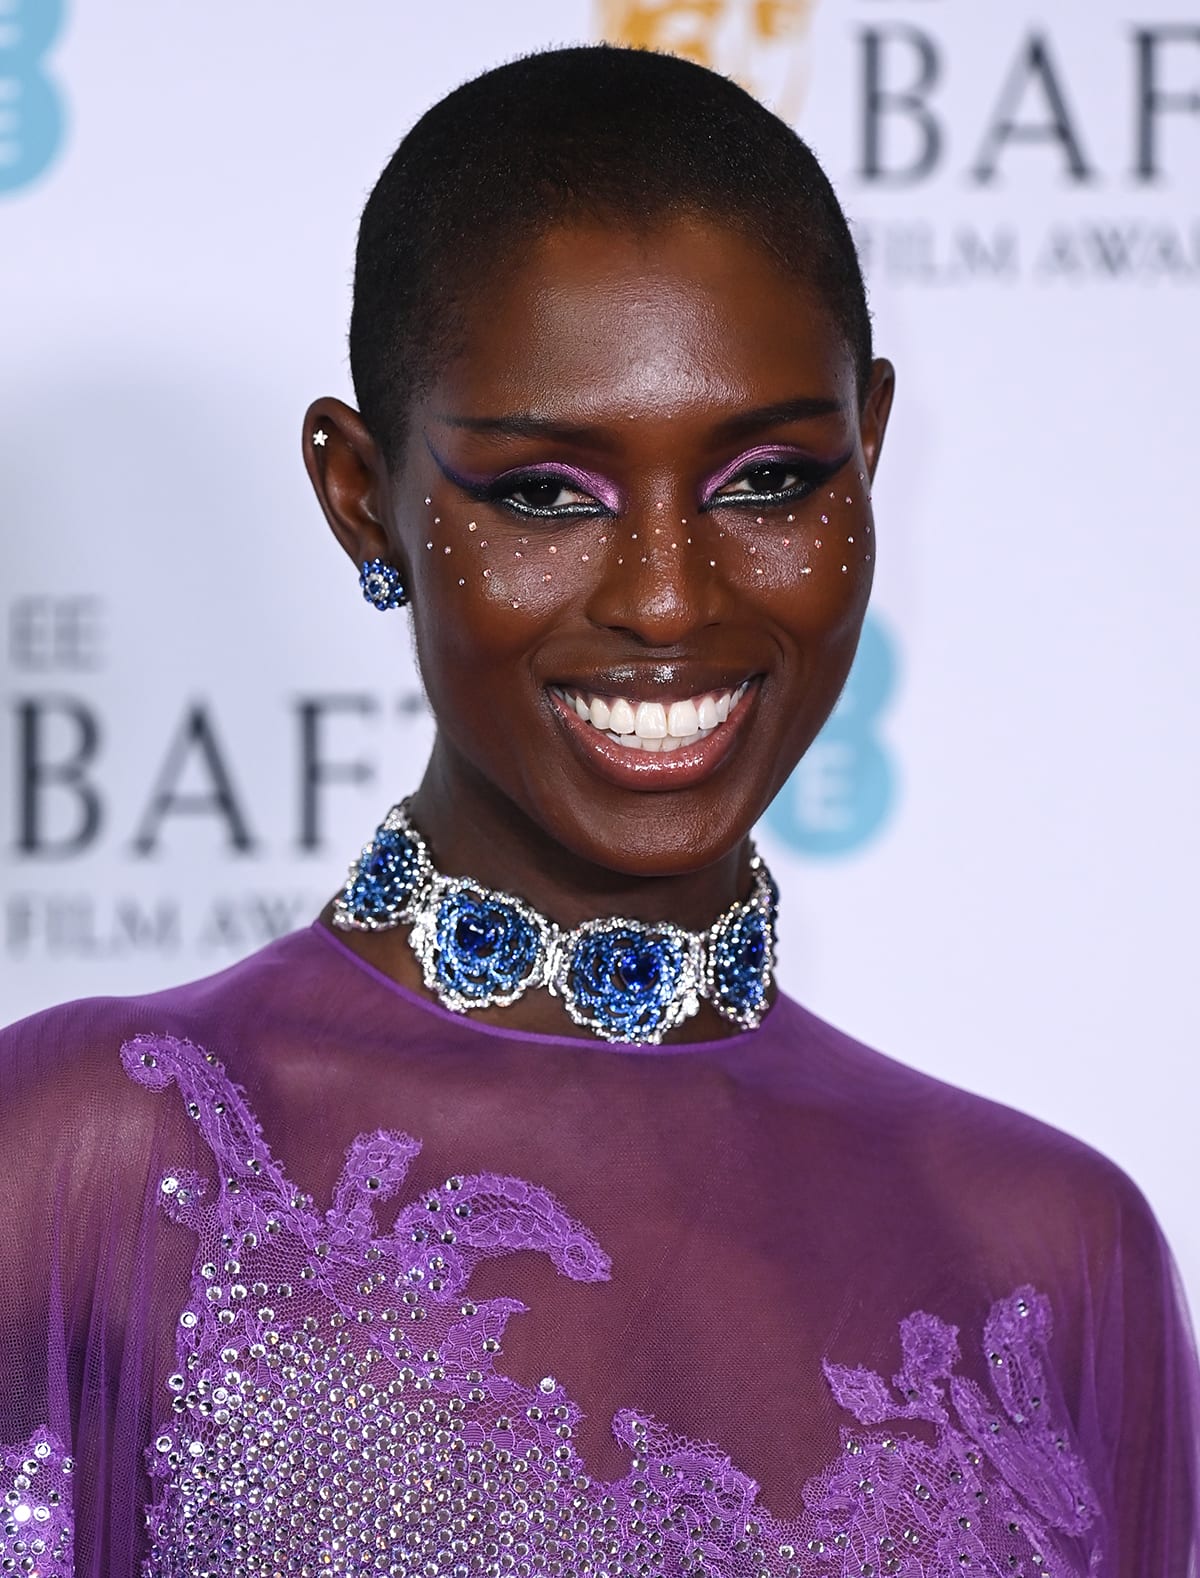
624	979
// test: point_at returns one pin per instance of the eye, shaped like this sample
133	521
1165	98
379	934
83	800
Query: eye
764	482
545	495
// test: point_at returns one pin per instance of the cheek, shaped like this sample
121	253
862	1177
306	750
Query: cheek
813	565
842	543
482	591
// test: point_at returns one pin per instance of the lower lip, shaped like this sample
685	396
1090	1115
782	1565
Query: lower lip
633	768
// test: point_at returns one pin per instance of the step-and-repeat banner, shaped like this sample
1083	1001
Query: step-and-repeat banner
989	859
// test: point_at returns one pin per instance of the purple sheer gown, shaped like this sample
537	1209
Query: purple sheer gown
305	1275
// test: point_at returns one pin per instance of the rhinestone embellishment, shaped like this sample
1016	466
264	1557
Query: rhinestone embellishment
339	1404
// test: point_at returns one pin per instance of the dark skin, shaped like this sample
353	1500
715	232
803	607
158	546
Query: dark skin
648	363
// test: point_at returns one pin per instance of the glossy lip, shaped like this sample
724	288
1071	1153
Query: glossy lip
636	769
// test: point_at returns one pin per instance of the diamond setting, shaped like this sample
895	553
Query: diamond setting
627	981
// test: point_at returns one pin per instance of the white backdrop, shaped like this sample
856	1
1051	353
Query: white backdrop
990	862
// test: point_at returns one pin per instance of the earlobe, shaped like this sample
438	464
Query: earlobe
875	411
349	477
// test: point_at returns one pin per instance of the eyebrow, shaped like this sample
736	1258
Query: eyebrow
522	424
519	424
803	409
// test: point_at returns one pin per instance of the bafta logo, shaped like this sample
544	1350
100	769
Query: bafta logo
762	44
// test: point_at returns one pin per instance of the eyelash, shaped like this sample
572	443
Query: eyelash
810	474
501	490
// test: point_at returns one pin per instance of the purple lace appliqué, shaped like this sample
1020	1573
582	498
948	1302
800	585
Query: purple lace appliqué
1000	1484
336	1406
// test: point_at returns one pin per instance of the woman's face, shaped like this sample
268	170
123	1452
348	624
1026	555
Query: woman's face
640	492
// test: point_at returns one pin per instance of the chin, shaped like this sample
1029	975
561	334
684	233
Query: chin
667	835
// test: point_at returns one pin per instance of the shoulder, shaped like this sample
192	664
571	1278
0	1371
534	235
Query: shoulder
1006	1176
67	1090
85	1104
70	1038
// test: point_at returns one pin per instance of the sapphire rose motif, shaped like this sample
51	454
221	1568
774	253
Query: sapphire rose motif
741	955
478	948
629	982
384	881
740	968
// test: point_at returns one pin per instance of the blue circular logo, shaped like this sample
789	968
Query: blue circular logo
31	112
841	793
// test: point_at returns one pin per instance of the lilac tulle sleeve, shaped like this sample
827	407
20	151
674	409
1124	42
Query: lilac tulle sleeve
86	1270
304	1274
1143	1400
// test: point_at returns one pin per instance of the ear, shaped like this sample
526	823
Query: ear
875	411
350	478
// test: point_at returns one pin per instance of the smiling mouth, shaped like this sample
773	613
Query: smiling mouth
652	725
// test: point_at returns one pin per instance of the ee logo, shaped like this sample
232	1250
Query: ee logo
31	116
841	793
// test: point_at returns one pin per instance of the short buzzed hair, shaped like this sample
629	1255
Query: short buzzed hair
594	132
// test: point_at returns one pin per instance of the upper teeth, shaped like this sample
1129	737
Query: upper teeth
649	724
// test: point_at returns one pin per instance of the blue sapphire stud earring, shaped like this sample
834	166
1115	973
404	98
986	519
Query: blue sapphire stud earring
381	585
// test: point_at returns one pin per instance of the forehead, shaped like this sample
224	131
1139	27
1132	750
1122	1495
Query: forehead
610	321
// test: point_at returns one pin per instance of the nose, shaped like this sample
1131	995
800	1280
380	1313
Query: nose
659	583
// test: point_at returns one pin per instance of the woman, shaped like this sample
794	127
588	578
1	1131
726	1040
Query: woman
508	1220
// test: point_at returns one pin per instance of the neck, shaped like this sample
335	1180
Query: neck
629	957
474	830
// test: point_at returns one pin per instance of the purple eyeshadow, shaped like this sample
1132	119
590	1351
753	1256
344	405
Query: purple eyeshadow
486	482
762	454
585	481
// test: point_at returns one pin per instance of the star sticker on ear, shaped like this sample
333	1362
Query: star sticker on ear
319	437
